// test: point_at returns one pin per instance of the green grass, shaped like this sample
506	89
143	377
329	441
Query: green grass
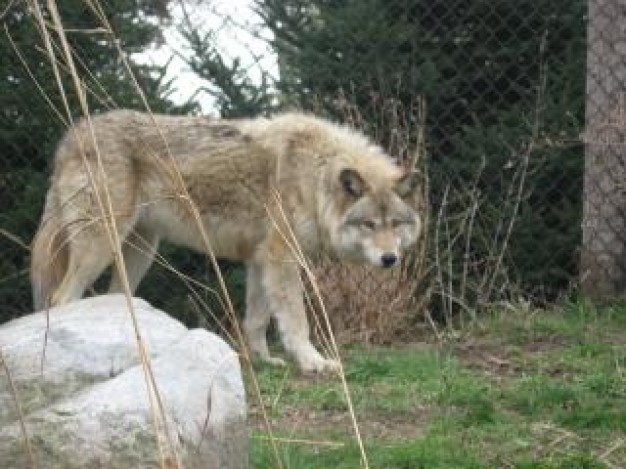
518	389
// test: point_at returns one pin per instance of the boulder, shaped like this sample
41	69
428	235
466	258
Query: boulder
84	393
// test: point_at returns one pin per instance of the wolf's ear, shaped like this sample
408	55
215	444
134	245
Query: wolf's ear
352	182
407	184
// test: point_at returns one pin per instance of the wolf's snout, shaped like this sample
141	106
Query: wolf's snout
388	259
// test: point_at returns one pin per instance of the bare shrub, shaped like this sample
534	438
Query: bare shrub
367	304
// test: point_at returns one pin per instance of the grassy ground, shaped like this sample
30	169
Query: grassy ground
519	389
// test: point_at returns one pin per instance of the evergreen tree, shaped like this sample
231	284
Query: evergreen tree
29	125
236	95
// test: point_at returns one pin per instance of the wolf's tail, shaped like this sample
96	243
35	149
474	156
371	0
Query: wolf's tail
49	256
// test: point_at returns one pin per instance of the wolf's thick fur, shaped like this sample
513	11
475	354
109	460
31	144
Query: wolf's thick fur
252	182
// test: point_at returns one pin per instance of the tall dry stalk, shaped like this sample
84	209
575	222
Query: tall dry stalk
166	447
63	61
291	240
464	283
32	461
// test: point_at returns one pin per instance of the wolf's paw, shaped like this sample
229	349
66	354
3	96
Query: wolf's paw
275	361
318	364
266	358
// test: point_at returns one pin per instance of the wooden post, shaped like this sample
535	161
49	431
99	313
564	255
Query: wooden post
603	255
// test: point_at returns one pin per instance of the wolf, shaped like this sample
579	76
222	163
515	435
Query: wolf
263	189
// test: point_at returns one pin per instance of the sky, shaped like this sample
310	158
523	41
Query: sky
239	34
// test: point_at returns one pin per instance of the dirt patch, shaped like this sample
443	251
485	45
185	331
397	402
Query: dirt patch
545	344
307	423
487	356
505	360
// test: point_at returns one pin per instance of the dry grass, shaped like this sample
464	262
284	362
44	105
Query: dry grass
63	61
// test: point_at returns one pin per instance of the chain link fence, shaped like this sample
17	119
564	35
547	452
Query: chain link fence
510	89
504	87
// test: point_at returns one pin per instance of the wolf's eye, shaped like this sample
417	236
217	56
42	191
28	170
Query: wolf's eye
396	223
368	224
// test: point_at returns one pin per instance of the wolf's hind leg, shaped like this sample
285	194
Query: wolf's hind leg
89	253
257	316
138	250
88	257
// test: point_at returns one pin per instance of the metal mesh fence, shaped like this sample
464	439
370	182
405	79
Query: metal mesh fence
510	90
504	85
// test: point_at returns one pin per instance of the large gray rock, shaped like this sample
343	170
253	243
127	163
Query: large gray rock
84	395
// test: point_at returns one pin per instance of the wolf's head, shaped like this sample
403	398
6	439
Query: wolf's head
376	223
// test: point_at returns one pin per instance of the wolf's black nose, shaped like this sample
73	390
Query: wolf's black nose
388	259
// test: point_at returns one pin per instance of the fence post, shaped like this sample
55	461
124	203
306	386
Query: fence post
603	255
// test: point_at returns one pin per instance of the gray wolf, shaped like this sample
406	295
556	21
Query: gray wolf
254	182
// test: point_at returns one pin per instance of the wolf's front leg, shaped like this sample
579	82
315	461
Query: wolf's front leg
257	316
283	289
